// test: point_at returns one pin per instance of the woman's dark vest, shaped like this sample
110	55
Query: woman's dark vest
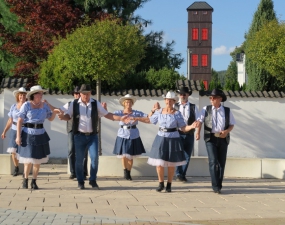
208	123
76	115
191	118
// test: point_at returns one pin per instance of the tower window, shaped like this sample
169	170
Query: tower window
204	60
195	12
195	34
204	34
205	12
194	59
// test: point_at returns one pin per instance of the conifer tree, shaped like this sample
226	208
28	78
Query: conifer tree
259	79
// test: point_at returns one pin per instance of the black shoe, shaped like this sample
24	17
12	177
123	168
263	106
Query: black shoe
16	171
94	184
179	178
34	184
129	175
168	187
72	176
217	191
81	186
125	174
160	187
25	183
184	179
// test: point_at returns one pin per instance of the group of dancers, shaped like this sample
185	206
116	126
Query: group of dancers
172	146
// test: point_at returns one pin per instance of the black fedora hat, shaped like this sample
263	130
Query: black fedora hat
75	90
218	92
85	88
184	90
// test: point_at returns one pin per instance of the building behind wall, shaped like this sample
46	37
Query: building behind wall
242	77
199	46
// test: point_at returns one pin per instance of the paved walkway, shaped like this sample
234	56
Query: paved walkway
243	201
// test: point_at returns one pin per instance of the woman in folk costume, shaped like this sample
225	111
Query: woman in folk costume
20	96
128	143
33	141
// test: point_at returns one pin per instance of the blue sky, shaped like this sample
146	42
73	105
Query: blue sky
231	20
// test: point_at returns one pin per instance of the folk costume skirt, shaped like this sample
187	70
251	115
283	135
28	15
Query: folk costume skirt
129	148
12	146
34	148
167	152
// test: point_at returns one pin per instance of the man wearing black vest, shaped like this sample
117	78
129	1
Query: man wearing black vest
218	123
71	148
189	112
85	113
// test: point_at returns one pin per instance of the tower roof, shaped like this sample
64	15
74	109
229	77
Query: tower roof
200	6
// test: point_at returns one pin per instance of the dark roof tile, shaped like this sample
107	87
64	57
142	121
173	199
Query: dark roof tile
200	5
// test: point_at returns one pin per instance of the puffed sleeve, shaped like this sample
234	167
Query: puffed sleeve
154	118
10	113
23	110
118	113
179	118
48	111
140	114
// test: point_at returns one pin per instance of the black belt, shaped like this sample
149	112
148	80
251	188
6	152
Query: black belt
86	133
185	133
34	125
129	127
15	123
167	129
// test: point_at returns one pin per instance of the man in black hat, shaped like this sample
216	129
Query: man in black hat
71	148
189	112
218	123
85	112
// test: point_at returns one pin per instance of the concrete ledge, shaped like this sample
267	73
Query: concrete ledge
273	168
7	166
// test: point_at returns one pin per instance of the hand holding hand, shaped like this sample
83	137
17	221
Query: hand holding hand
58	111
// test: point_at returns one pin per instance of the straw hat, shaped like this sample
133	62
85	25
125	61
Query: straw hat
35	89
126	97
20	90
170	95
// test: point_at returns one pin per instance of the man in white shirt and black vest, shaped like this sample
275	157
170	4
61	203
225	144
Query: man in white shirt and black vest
85	113
189	112
218	123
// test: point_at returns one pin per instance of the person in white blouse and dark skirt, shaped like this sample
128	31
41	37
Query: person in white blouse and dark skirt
218	123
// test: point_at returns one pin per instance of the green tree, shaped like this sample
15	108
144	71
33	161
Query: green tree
267	49
231	76
202	86
259	79
103	51
8	23
164	78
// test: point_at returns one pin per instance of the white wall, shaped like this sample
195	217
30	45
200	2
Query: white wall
257	134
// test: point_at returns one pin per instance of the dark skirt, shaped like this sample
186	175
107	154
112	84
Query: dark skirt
12	146
128	147
34	148
167	152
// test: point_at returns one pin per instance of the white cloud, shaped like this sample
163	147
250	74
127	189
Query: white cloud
223	50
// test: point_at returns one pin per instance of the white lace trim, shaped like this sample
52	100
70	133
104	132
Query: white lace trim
11	150
128	156
32	161
160	162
